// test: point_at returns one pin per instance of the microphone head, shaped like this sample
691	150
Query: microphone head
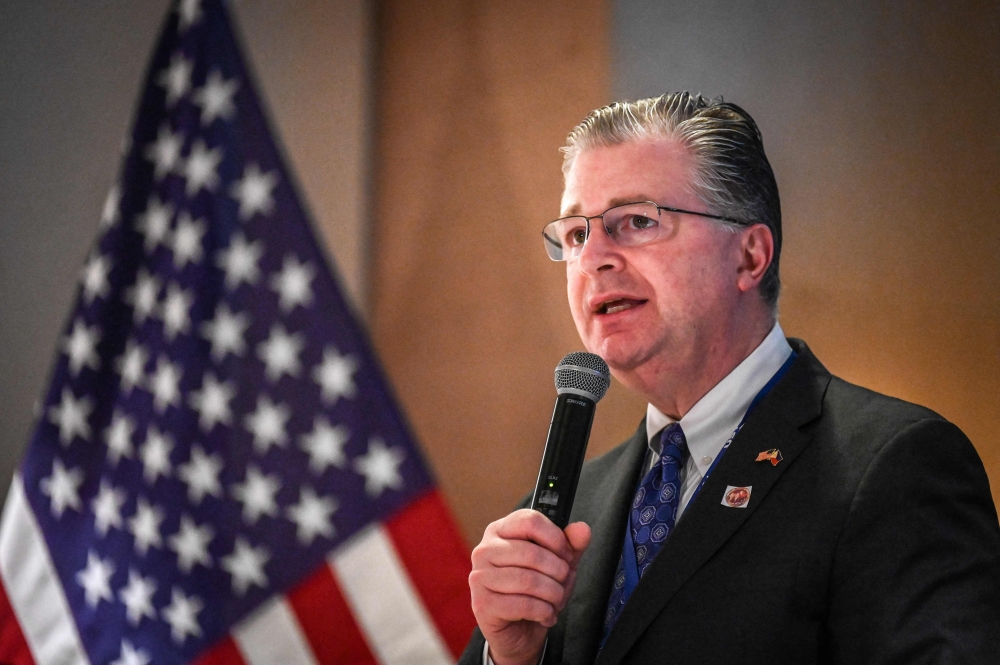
583	373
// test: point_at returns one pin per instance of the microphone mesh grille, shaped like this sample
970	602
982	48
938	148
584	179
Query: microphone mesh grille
569	374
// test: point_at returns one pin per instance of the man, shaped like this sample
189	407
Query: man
765	511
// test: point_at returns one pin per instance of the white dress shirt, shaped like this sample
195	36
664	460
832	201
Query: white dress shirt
712	420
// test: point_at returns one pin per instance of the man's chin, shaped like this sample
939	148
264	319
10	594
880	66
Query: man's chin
621	358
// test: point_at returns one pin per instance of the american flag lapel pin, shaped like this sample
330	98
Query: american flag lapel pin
773	456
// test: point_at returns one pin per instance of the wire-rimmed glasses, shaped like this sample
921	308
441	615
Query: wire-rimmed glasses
627	224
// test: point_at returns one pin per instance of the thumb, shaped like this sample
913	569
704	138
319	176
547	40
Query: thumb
578	534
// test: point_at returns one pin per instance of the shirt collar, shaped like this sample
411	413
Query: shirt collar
713	419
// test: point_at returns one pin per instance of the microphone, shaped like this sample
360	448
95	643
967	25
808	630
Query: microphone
581	381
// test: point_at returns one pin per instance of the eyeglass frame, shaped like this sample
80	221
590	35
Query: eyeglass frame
545	238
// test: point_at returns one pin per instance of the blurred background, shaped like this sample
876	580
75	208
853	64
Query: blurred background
425	139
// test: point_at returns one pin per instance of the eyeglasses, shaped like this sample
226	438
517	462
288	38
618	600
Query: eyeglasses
627	224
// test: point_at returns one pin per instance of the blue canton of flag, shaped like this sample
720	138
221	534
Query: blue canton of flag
216	422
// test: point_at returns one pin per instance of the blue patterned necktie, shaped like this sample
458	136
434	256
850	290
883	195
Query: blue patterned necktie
651	519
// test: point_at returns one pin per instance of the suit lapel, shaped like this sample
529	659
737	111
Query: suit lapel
604	509
707	524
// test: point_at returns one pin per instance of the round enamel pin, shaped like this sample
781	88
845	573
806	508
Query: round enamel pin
737	497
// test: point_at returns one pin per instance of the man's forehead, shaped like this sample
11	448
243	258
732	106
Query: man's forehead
600	177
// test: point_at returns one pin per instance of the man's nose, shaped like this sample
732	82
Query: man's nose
600	252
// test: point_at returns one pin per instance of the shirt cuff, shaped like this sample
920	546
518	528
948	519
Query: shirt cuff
489	661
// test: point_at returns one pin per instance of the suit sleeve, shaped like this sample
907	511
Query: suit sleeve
916	575
473	654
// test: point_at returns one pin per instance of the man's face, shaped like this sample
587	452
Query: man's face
664	305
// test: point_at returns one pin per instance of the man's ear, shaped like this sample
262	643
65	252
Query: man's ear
756	254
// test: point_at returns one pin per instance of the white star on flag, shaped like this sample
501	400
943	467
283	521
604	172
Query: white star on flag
71	417
131	656
143	295
96	579
176	311
380	467
165	152
107	507
109	213
63	488
189	13
253	192
119	437
212	403
256	493
137	596
292	284
165	384
246	565
200	168
201	474
267	424
145	526
216	98
325	445
335	375
131	365
154	223
280	353
176	79
225	332
312	516
239	261
190	543
187	240
155	454
81	347
94	279
182	615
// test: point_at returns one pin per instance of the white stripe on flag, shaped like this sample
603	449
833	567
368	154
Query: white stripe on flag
32	585
385	604
272	635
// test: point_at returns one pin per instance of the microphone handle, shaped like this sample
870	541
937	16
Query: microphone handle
562	460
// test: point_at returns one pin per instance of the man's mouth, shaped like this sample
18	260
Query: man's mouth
618	305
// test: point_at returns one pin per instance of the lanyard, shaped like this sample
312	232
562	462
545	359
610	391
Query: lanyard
630	565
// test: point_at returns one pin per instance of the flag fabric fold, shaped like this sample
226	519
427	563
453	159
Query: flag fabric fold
219	473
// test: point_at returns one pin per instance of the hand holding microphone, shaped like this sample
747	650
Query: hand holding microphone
524	569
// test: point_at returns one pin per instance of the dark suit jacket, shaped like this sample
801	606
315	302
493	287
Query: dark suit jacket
874	540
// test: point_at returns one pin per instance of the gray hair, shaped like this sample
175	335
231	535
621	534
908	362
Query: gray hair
732	175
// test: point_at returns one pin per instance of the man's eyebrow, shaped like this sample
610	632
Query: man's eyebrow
574	209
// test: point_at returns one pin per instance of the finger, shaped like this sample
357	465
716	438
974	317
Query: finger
496	609
527	524
522	554
578	536
519	581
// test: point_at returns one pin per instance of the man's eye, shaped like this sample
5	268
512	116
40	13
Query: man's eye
577	236
640	222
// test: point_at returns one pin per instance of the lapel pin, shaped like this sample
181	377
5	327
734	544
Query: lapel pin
773	456
737	497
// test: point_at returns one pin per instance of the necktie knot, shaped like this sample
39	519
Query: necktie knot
673	443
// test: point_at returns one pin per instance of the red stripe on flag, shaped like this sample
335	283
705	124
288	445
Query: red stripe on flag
438	561
327	622
13	647
225	652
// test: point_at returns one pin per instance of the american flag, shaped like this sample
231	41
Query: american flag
219	473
